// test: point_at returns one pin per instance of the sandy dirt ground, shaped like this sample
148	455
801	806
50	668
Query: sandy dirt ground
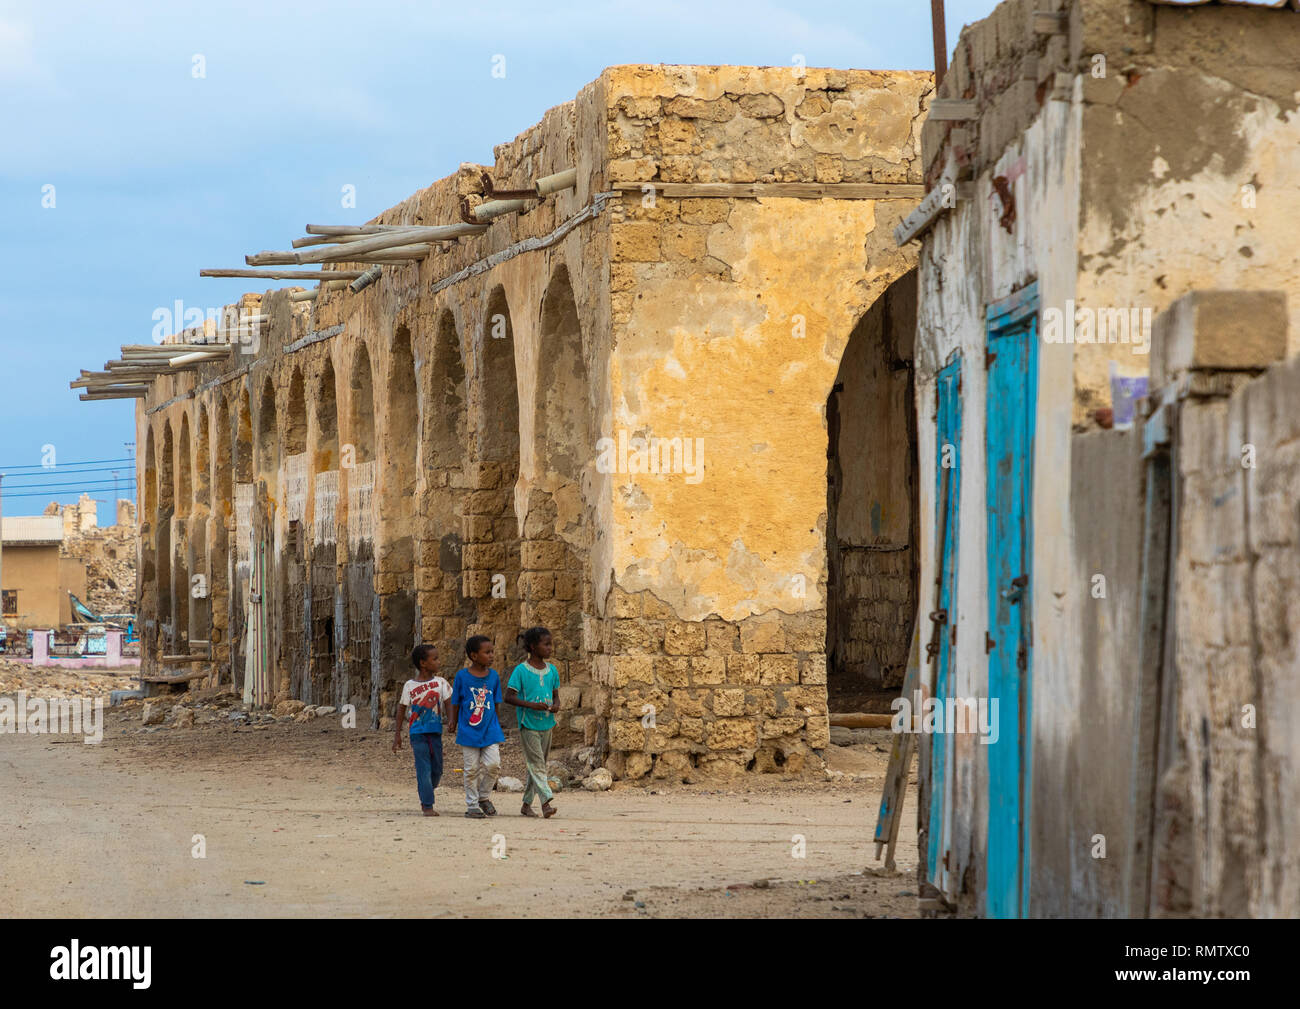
314	819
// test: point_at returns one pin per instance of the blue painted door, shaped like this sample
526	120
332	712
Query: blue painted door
947	475
1011	400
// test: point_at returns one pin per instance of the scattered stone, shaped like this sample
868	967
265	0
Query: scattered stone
599	780
509	785
290	707
152	714
184	718
325	709
305	715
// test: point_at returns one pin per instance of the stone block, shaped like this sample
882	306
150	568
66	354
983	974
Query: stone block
672	671
708	670
684	638
636	241
728	703
626	734
764	633
541	555
778	669
731	734
631	669
688	703
813	669
1218	331
743	669
636	765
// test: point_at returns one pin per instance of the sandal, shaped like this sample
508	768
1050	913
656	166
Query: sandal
527	810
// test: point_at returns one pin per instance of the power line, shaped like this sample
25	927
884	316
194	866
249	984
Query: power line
83	462
73	489
73	483
60	470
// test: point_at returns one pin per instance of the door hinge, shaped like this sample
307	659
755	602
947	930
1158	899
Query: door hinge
989	643
989	358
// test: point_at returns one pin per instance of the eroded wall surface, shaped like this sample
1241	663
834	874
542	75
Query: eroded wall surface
1118	163
730	317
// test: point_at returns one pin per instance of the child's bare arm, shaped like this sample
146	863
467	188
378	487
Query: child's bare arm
512	697
397	731
453	710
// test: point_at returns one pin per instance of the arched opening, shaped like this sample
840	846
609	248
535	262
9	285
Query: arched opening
223	476
181	547
292	567
444	609
499	408
184	482
166	509
243	506
556	525
399	517
150	480
872	512
361	418
357	459
324	536
148	576
219	549
401	460
492	541
202	460
446	412
268	437
244	440
326	416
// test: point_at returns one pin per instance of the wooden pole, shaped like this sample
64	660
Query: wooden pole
400	253
285	274
355	229
493	209
549	184
372	243
940	32
197	357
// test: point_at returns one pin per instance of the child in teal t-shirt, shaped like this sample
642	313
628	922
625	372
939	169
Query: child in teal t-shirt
533	688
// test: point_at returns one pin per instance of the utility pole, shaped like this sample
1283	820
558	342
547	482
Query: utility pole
939	31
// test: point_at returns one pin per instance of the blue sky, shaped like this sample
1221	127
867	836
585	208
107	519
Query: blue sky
157	172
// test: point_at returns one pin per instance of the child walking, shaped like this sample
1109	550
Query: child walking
477	691
532	688
425	698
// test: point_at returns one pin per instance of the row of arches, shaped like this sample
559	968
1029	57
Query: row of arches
381	471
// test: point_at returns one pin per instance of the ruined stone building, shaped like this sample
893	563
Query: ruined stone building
667	412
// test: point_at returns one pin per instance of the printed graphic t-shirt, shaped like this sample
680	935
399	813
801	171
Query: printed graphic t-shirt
533	684
477	698
422	698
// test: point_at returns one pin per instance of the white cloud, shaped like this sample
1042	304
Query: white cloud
18	54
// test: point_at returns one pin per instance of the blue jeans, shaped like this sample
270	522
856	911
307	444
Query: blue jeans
427	747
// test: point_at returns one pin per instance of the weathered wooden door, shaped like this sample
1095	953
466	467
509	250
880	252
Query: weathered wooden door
947	511
1011	400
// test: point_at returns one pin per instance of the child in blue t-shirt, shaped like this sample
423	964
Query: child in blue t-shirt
424	698
475	696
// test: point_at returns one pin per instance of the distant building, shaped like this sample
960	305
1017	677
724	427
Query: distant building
36	578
